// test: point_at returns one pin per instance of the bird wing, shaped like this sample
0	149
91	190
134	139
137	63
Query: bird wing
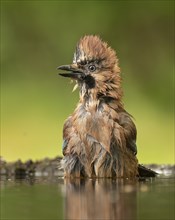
130	131
64	146
67	130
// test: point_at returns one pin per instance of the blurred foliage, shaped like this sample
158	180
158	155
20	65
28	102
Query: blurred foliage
38	36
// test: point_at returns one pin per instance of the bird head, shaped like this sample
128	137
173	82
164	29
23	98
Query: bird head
94	68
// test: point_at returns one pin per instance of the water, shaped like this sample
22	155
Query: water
51	199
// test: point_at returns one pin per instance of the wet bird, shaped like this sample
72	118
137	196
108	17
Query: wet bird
100	135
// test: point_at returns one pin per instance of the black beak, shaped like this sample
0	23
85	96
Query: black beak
74	73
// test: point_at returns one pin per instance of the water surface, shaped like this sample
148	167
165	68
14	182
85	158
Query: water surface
53	198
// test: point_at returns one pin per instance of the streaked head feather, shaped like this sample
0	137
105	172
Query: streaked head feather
92	48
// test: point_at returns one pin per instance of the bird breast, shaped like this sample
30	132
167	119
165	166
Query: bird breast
95	126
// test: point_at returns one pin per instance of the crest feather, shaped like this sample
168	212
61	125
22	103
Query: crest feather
91	47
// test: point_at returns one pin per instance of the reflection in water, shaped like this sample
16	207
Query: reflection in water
53	198
100	199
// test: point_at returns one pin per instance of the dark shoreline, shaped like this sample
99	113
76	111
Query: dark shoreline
19	169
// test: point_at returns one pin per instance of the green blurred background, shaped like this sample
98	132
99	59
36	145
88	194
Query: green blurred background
38	36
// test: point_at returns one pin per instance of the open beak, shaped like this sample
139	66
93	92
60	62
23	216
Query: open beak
73	73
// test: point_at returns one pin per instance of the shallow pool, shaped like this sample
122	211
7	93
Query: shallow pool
56	198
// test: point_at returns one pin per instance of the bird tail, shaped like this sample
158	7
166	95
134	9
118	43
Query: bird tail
146	172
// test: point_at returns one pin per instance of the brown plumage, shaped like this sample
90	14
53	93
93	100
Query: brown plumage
100	136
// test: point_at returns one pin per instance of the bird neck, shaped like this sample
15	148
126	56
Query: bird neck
92	98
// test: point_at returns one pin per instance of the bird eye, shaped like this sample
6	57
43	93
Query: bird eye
92	68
